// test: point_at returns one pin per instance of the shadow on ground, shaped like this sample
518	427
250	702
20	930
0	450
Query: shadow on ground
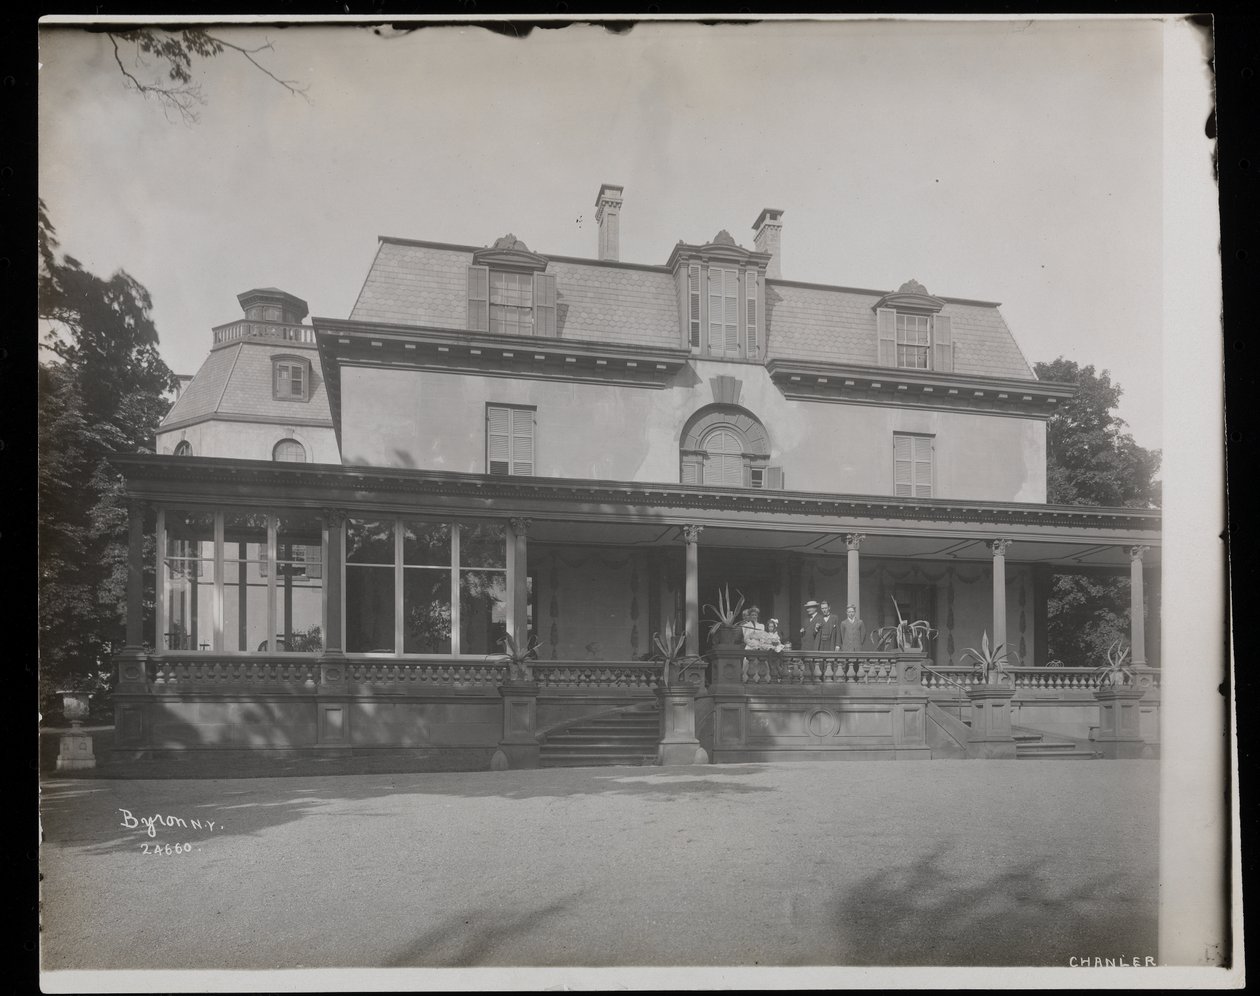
928	913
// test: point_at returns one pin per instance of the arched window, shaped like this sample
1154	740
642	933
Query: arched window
724	458
724	445
289	451
183	448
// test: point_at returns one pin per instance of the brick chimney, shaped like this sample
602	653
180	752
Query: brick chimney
769	226
607	213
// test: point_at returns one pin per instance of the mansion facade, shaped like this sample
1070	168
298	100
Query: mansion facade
353	514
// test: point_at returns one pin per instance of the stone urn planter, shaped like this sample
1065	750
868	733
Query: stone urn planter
76	746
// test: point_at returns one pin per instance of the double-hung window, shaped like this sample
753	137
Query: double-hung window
510	440
291	378
511	302
912	465
915	341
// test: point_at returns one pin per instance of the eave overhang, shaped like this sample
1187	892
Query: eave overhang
903	388
363	344
220	481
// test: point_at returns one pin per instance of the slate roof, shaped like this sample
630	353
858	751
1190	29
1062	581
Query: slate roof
419	283
236	380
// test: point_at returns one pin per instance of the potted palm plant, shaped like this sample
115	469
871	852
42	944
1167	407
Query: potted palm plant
517	658
724	630
990	663
905	636
681	679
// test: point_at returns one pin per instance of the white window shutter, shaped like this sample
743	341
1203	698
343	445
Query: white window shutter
922	466
545	304
730	298
522	441
690	470
479	298
693	302
498	440
886	319
903	471
716	339
943	344
750	313
774	478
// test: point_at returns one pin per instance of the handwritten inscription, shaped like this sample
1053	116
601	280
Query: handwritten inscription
152	823
147	848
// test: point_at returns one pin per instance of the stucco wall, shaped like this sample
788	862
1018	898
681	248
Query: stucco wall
436	421
251	440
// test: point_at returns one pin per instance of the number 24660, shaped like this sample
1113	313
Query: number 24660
147	848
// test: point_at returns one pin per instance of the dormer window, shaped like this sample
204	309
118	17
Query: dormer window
913	333
508	292
291	378
721	285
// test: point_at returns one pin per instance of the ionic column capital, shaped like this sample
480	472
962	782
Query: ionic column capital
853	541
691	534
1136	552
520	526
998	546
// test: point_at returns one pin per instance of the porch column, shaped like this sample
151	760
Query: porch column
332	705
998	546
1137	619
853	541
691	536
135	575
334	641
518	579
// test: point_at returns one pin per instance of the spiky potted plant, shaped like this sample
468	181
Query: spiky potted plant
517	658
678	668
990	700
681	679
724	629
1117	671
990	663
905	636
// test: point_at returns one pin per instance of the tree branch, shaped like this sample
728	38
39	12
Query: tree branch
291	85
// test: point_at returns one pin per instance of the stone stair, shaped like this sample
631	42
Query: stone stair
1033	746
628	736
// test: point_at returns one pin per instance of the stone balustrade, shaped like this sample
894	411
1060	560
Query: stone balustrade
174	674
246	329
768	667
597	674
1085	679
418	674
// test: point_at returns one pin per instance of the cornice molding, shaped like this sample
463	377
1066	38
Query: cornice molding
208	473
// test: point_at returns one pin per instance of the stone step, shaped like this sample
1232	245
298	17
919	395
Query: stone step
595	745
601	736
594	760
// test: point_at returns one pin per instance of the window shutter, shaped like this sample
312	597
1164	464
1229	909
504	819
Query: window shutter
922	466
498	456
886	318
522	441
479	298
904	474
693	296
774	478
943	344
731	301
716	341
690	470
545	304
750	301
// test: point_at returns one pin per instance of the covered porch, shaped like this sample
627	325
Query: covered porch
330	608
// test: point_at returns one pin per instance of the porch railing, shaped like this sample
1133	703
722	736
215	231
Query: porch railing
597	674
418	674
176	673
762	667
1086	679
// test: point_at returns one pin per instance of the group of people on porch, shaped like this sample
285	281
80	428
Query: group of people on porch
823	631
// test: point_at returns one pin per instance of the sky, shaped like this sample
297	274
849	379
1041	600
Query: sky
1010	161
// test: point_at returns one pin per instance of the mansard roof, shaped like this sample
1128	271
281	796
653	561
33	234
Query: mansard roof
235	382
413	282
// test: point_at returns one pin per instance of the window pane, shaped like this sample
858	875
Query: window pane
427	544
189	534
370	541
482	544
295	530
244	604
248	529
482	611
426	610
289	451
299	582
369	609
189	604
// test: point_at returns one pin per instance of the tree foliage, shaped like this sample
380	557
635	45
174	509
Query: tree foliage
159	65
101	392
1092	460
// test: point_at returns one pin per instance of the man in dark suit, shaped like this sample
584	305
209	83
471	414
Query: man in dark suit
828	627
852	632
809	632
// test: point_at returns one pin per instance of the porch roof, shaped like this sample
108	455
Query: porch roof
650	513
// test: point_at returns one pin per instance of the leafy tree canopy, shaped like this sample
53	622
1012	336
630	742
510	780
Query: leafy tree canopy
1092	460
103	391
1090	457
